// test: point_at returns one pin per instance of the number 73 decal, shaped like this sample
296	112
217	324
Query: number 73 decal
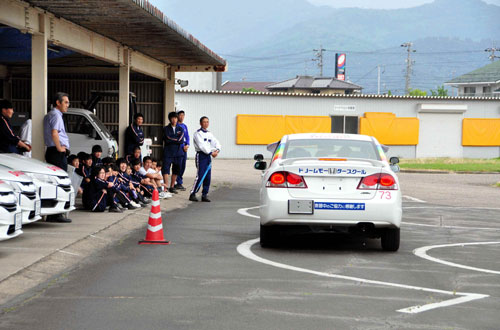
385	194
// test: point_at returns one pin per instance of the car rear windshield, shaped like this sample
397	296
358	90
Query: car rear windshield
331	148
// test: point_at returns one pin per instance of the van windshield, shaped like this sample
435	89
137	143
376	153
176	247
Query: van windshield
101	126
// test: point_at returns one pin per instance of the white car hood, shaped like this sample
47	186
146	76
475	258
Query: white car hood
5	187
25	164
13	175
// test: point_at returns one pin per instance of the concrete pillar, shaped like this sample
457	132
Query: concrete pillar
123	114
39	89
168	96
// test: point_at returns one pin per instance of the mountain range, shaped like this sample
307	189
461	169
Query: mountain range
274	40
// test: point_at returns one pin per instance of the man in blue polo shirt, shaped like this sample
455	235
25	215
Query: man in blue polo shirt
54	132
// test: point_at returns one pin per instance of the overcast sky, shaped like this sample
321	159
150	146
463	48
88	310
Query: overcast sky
380	4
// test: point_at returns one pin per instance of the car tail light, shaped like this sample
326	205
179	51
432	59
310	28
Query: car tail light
277	179
382	181
286	180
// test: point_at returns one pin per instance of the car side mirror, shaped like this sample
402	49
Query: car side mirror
258	157
259	165
394	160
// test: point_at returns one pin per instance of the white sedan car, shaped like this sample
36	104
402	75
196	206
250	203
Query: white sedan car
334	182
56	192
11	218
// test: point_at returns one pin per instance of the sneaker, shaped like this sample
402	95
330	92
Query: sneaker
57	218
130	207
205	199
173	191
164	195
193	198
143	204
135	204
146	200
179	187
115	210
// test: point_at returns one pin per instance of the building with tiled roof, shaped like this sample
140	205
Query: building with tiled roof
315	85
484	81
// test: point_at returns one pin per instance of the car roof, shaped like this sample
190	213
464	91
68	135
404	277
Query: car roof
339	136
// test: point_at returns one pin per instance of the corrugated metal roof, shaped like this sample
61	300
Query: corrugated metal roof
137	24
308	82
347	96
489	73
239	85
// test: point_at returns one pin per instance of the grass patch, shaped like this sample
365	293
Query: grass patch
452	164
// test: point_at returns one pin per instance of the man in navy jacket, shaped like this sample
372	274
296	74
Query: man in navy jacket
173	138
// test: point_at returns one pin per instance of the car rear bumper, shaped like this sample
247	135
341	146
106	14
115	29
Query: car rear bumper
381	213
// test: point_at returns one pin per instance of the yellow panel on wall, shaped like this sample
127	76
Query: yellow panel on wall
390	130
481	132
259	129
307	124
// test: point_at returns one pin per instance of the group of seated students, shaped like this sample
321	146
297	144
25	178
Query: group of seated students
115	185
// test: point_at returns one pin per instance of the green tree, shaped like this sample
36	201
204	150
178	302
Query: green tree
417	92
250	90
441	91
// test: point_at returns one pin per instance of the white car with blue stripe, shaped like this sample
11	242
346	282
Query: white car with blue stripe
333	182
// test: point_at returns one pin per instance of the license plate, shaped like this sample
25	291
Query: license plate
38	208
340	206
18	221
72	199
300	207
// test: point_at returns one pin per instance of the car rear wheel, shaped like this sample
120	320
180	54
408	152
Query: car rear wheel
269	236
390	239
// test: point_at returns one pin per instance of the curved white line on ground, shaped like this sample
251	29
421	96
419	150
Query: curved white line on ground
245	250
245	212
452	207
413	199
422	253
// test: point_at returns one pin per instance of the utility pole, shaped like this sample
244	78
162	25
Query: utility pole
409	65
378	78
319	59
492	50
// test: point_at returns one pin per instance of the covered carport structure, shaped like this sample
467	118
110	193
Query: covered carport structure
131	35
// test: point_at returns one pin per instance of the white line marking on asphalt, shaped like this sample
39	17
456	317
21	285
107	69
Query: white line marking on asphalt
422	253
413	199
448	227
70	253
245	250
245	212
94	236
452	207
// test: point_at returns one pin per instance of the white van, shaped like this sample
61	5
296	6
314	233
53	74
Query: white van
85	130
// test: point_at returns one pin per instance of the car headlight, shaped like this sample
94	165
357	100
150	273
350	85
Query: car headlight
43	177
15	186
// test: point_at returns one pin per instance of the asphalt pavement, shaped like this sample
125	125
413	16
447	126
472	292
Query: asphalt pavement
214	275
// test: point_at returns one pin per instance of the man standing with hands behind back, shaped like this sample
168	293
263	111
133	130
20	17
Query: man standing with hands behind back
56	140
54	132
206	146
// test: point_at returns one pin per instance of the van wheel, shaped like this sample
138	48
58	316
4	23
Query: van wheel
390	239
269	236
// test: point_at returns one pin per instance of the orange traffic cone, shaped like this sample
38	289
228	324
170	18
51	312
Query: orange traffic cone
154	234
